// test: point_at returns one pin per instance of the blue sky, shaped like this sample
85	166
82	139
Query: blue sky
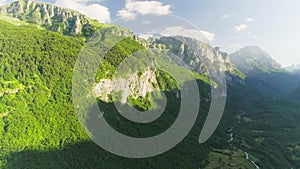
274	25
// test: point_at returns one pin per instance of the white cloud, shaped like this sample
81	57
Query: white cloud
87	7
4	2
210	36
94	11
126	15
240	27
249	19
192	33
225	16
145	36
132	8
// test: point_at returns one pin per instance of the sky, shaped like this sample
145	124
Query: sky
273	25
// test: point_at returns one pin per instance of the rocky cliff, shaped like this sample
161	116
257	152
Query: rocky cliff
200	57
133	86
51	17
72	23
204	59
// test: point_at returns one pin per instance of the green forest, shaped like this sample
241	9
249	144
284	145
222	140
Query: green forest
39	127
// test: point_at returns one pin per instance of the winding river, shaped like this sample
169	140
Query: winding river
230	131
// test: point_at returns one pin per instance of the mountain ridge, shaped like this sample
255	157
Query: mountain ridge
72	23
58	19
39	126
254	59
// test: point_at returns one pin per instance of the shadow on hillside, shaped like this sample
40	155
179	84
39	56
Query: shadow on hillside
89	155
130	128
86	154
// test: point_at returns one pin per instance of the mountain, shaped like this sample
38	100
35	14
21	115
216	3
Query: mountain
50	17
262	72
254	59
204	59
73	23
39	127
266	108
175	52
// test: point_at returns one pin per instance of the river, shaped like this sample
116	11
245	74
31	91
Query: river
230	131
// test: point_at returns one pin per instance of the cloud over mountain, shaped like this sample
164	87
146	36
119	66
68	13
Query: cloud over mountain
87	7
192	33
132	8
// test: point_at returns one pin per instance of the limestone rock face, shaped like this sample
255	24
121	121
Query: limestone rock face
51	17
204	59
196	55
133	86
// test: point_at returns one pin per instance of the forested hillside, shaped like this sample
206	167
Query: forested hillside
36	73
50	17
39	127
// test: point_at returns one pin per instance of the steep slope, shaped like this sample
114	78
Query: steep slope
39	127
263	73
253	59
35	91
206	58
48	16
38	124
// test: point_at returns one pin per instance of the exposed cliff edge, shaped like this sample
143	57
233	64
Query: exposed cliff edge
51	17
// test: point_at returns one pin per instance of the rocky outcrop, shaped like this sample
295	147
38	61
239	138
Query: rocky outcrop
134	86
12	91
204	59
51	17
